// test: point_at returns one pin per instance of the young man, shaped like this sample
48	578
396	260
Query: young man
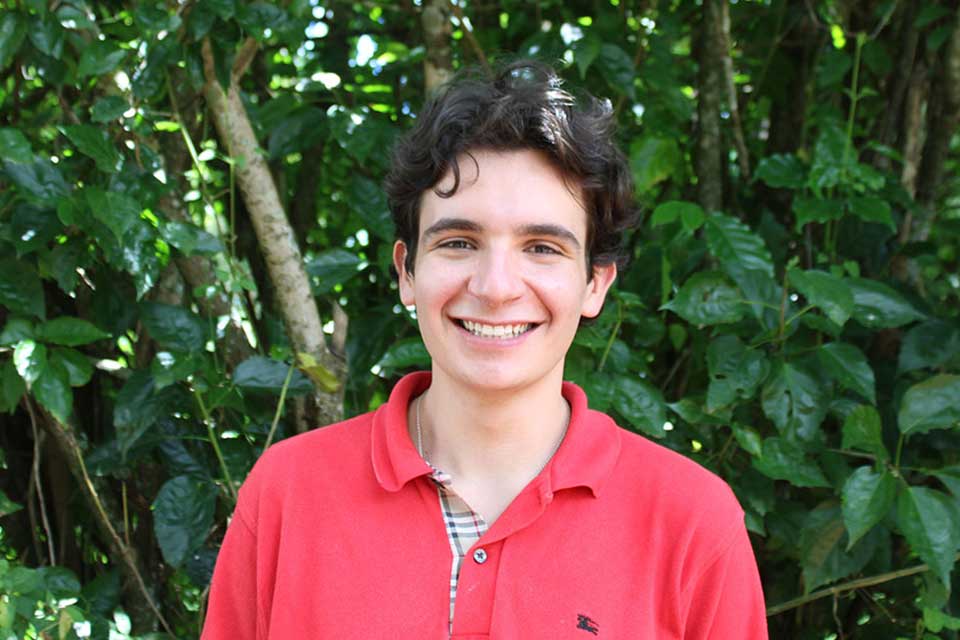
484	499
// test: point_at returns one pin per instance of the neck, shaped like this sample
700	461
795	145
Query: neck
504	434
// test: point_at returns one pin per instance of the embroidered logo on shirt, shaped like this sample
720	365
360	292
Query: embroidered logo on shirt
587	624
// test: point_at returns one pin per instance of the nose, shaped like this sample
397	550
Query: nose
496	278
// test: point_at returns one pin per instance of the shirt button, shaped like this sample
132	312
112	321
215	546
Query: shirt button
479	556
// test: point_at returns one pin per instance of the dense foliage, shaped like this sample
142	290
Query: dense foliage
790	319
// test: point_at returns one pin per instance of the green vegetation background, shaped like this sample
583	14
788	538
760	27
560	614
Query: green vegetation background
190	201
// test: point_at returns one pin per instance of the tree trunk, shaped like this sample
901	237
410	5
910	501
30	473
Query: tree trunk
276	239
437	30
943	117
710	149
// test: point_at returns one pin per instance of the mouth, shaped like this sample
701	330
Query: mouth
496	331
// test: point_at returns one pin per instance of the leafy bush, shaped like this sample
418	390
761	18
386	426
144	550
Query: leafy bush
800	336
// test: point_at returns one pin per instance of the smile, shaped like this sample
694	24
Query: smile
497	331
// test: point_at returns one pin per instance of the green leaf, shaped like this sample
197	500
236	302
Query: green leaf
15	330
52	390
12	386
47	35
69	331
370	204
264	375
737	247
642	404
848	366
119	212
707	298
689	213
928	345
174	327
78	366
877	306
182	517
8	506
928	527
20	288
749	440
931	404
863	430
735	372
190	239
98	58
12	31
257	17
653	160
30	358
331	268
936	620
785	460
826	291
168	368
867	497
138	406
409	353
795	401
871	209
108	109
809	210
322	377
225	9
824	555
950	477
585	52
782	171
39	181
617	68
93	142
14	146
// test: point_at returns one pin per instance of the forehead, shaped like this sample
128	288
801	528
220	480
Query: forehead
511	188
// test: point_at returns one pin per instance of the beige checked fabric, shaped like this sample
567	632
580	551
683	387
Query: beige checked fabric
464	527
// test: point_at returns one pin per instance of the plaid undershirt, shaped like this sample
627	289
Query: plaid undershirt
464	527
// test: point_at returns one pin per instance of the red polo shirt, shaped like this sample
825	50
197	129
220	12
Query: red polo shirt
338	534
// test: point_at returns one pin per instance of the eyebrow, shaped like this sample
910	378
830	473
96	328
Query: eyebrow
463	224
553	230
451	224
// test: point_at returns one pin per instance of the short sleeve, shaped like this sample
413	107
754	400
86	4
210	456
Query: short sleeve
232	608
726	601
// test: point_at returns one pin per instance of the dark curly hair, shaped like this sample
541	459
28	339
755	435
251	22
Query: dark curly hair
521	107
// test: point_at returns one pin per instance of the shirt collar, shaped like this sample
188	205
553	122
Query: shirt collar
585	458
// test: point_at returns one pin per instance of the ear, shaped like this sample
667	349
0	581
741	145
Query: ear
596	293
405	279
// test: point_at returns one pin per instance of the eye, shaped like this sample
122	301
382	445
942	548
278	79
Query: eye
455	243
543	249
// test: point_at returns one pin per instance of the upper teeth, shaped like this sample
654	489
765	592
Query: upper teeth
495	330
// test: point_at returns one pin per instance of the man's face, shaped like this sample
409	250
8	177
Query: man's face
500	283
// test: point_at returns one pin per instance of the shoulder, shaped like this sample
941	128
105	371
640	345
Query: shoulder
682	492
310	462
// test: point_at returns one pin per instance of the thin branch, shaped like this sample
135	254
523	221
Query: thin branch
68	442
245	55
471	38
860	583
37	483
